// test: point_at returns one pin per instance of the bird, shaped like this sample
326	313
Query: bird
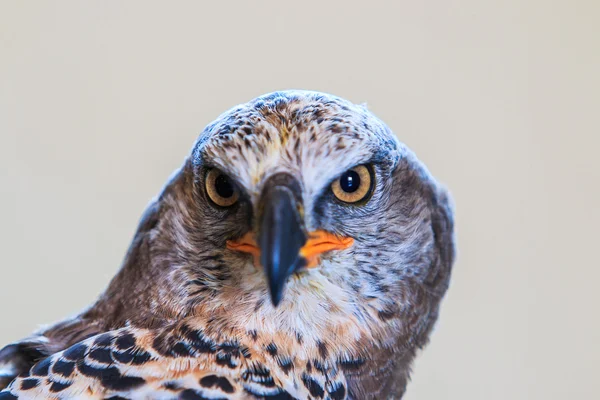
301	251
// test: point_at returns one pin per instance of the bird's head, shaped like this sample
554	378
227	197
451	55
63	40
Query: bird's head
295	187
296	203
298	209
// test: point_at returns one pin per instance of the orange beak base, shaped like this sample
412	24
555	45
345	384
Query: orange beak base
318	242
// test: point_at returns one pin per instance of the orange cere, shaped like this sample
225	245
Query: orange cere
246	244
318	242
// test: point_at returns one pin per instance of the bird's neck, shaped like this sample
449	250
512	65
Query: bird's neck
314	312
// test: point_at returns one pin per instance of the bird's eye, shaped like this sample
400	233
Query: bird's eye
221	190
354	185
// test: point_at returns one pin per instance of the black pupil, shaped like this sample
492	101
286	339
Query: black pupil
223	187
350	181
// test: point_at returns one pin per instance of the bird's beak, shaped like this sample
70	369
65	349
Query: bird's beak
284	247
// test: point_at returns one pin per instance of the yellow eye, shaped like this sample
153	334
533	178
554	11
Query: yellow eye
354	185
221	189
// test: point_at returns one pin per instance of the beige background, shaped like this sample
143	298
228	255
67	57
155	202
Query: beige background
101	101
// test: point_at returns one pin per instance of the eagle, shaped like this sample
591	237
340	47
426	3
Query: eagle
300	252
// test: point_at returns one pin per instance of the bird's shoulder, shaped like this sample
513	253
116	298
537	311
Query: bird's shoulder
186	362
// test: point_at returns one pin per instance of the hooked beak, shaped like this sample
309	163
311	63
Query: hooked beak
283	246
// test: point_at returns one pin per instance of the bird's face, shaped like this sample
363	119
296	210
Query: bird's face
304	201
300	203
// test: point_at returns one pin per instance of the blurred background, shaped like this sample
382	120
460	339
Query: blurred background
101	100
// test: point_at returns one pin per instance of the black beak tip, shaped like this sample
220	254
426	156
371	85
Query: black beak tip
276	288
276	297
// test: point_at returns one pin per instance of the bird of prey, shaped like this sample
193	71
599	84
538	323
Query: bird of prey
300	252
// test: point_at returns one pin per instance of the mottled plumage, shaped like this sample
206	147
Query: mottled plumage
189	317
